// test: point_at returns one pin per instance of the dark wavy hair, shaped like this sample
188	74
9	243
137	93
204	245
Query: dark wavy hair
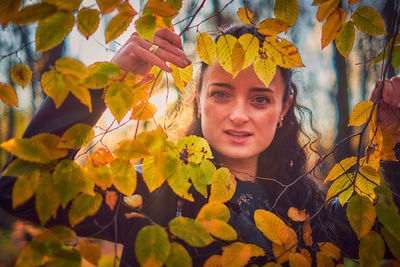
285	159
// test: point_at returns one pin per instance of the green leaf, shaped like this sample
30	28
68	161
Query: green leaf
326	8
134	149
369	21
340	168
118	25
161	8
65	257
119	99
47	199
287	11
176	4
207	169
361	215
197	148
52	30
392	241
223	185
342	186
51	142
371	249
31	255
89	250
152	246
20	168
214	210
190	231
33	13
77	136
8	8
68	180
385	195
101	73
106	6
24	188
206	48
178	256
70	5
219	229
192	171
124	175
8	95
146	27
345	38
180	184
83	206
57	233
360	113
27	149
88	21
21	74
54	86
71	66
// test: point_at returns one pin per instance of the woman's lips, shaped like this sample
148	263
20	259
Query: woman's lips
237	136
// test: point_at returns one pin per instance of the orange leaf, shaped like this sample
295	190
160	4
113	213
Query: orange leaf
8	95
133	214
297	215
111	199
326	8
89	250
307	237
332	26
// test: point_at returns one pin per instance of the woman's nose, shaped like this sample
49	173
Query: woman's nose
239	114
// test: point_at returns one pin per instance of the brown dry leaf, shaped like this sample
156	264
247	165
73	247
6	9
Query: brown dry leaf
297	215
111	199
133	214
307	234
89	250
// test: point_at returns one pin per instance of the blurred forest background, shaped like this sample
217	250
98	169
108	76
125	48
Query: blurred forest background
329	85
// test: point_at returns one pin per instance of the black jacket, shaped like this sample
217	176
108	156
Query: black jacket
161	205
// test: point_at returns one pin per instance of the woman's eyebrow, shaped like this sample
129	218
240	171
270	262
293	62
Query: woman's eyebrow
226	85
261	89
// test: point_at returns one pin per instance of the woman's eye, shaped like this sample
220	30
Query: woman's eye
218	94
261	100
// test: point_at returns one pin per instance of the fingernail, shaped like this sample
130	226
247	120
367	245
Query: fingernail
188	61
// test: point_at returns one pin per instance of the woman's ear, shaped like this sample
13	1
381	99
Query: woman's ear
198	105
286	106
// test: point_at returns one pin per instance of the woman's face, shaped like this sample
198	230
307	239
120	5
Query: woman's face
239	115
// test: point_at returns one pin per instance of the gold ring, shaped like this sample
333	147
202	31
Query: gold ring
153	49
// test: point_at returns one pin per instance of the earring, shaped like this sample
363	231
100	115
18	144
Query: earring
280	123
198	115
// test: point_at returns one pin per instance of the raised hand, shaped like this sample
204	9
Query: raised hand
138	55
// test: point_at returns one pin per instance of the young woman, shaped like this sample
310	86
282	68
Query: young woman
252	130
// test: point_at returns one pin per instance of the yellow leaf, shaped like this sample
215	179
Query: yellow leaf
273	227
340	168
89	250
225	46
28	149
180	184
118	25
190	231
324	260
345	38
68	178
46	199
84	206
245	15
342	186
152	175
146	27
326	8
77	136
125	7
155	141
78	90
101	175
238	57
386	142
161	8
366	181
88	21
297	215
360	113
219	229
71	5
54	86
272	26
213	261
51	142
21	74
282	52
282	252
135	201
286	10
71	66
265	70
251	46
52	30
361	215
196	148
297	259
369	21
106	6
8	95
178	256
56	234
152	246
182	76
223	186
206	48
144	111
306	254
124	176
20	168
332	26
236	255
8	8
24	188
214	210
371	249
33	13
31	255
132	150
330	249
119	99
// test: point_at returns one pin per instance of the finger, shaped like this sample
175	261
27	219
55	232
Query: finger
387	94
164	44
147	56
396	92
169	36
171	54
375	91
